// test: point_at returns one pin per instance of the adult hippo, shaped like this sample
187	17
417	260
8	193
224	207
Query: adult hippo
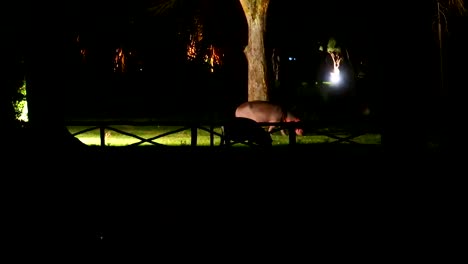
267	112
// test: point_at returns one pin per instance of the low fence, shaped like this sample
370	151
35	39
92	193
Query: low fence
337	134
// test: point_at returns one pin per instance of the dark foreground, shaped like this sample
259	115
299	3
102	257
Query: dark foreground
330	203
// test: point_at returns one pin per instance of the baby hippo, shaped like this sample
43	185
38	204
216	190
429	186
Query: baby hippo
245	131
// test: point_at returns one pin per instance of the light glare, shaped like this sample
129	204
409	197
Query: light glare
335	77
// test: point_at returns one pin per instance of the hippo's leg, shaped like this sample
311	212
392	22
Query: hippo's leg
270	129
283	132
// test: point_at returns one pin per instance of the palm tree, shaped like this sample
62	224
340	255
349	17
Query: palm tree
443	8
449	113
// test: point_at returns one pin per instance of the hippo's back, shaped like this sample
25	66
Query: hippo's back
260	111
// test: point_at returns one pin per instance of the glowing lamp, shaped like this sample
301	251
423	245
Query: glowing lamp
335	77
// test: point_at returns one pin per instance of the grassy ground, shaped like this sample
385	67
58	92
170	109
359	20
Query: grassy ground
183	138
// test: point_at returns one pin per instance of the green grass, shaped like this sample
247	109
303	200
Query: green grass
183	138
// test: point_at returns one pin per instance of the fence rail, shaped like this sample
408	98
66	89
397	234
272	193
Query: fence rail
339	134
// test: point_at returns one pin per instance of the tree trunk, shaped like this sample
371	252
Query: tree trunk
48	73
255	13
9	82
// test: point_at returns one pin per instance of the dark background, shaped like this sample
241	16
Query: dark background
340	205
159	81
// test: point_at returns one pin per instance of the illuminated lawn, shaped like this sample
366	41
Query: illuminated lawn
183	138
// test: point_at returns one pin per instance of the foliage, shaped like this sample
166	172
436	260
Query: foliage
455	5
446	7
20	104
165	7
192	30
254	10
332	47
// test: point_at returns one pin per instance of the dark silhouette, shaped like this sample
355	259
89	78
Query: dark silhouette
246	131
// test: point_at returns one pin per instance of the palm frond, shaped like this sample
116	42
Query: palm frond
445	8
158	7
458	6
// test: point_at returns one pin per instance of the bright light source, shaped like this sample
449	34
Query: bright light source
335	76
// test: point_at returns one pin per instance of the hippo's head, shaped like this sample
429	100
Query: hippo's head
291	118
299	131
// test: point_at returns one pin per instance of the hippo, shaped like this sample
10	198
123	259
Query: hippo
267	112
247	131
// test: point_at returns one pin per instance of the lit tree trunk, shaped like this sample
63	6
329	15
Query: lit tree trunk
256	14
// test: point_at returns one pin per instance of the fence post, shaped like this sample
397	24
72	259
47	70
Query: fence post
292	134
211	135
194	133
102	133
